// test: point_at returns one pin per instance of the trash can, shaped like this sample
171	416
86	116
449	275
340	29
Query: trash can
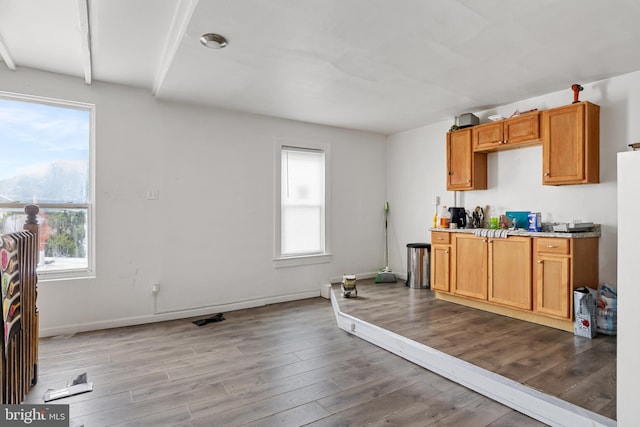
418	255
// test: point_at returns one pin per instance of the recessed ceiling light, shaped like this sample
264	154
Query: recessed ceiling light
213	41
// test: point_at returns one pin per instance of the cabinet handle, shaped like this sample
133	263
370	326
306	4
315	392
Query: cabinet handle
485	241
539	262
546	174
551	246
468	181
446	252
439	238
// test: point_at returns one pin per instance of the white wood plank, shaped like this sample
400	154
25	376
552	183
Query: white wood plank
6	56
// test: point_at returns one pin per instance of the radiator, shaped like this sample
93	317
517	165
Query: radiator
19	355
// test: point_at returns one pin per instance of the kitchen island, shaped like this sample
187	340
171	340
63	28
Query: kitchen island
525	275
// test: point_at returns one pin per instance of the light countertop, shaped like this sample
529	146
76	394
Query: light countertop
522	232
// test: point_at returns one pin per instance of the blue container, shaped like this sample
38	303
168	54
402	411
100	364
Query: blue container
521	218
535	222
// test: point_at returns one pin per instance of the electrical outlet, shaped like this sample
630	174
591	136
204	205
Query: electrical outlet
435	200
152	194
155	288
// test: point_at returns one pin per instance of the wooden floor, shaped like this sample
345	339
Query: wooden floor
289	365
578	370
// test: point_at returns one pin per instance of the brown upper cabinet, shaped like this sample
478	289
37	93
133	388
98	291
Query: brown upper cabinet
571	144
520	131
570	138
466	169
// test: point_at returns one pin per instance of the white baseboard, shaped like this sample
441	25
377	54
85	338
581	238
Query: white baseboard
173	315
543	407
325	291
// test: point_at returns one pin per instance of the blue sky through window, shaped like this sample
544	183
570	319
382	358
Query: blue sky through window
33	135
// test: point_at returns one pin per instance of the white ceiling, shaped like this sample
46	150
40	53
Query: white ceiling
378	65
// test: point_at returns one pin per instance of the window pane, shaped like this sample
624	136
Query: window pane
63	236
302	202
46	149
45	153
302	232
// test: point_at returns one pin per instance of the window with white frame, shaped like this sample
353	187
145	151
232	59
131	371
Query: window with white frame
302	203
46	160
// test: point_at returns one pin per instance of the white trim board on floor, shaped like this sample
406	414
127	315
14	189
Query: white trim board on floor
533	403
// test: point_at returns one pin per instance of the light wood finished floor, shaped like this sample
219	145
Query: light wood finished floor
281	365
579	370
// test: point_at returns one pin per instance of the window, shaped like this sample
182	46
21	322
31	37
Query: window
46	160
302	221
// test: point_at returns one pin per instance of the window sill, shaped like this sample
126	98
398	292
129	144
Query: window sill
295	261
64	275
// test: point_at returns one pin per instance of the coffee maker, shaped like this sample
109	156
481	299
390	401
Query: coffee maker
458	217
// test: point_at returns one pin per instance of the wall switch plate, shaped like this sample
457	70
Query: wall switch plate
435	201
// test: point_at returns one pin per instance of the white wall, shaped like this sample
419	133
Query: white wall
416	172
628	393
209	239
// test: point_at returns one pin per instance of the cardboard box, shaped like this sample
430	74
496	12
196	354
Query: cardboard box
467	120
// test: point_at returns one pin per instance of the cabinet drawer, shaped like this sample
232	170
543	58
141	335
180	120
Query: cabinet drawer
552	245
440	238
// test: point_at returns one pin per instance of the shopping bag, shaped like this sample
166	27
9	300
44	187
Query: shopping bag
584	305
607	312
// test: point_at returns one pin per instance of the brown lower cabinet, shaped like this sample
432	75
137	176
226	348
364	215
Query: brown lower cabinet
496	270
561	265
510	272
531	278
440	261
469	266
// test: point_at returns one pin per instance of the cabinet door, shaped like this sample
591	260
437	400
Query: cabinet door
440	267
466	170
522	130
563	144
510	272
488	136
553	285
469	276
459	160
571	144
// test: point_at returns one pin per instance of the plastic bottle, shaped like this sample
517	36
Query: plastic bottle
444	218
435	220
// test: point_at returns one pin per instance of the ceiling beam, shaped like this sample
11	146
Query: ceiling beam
85	38
181	18
6	56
